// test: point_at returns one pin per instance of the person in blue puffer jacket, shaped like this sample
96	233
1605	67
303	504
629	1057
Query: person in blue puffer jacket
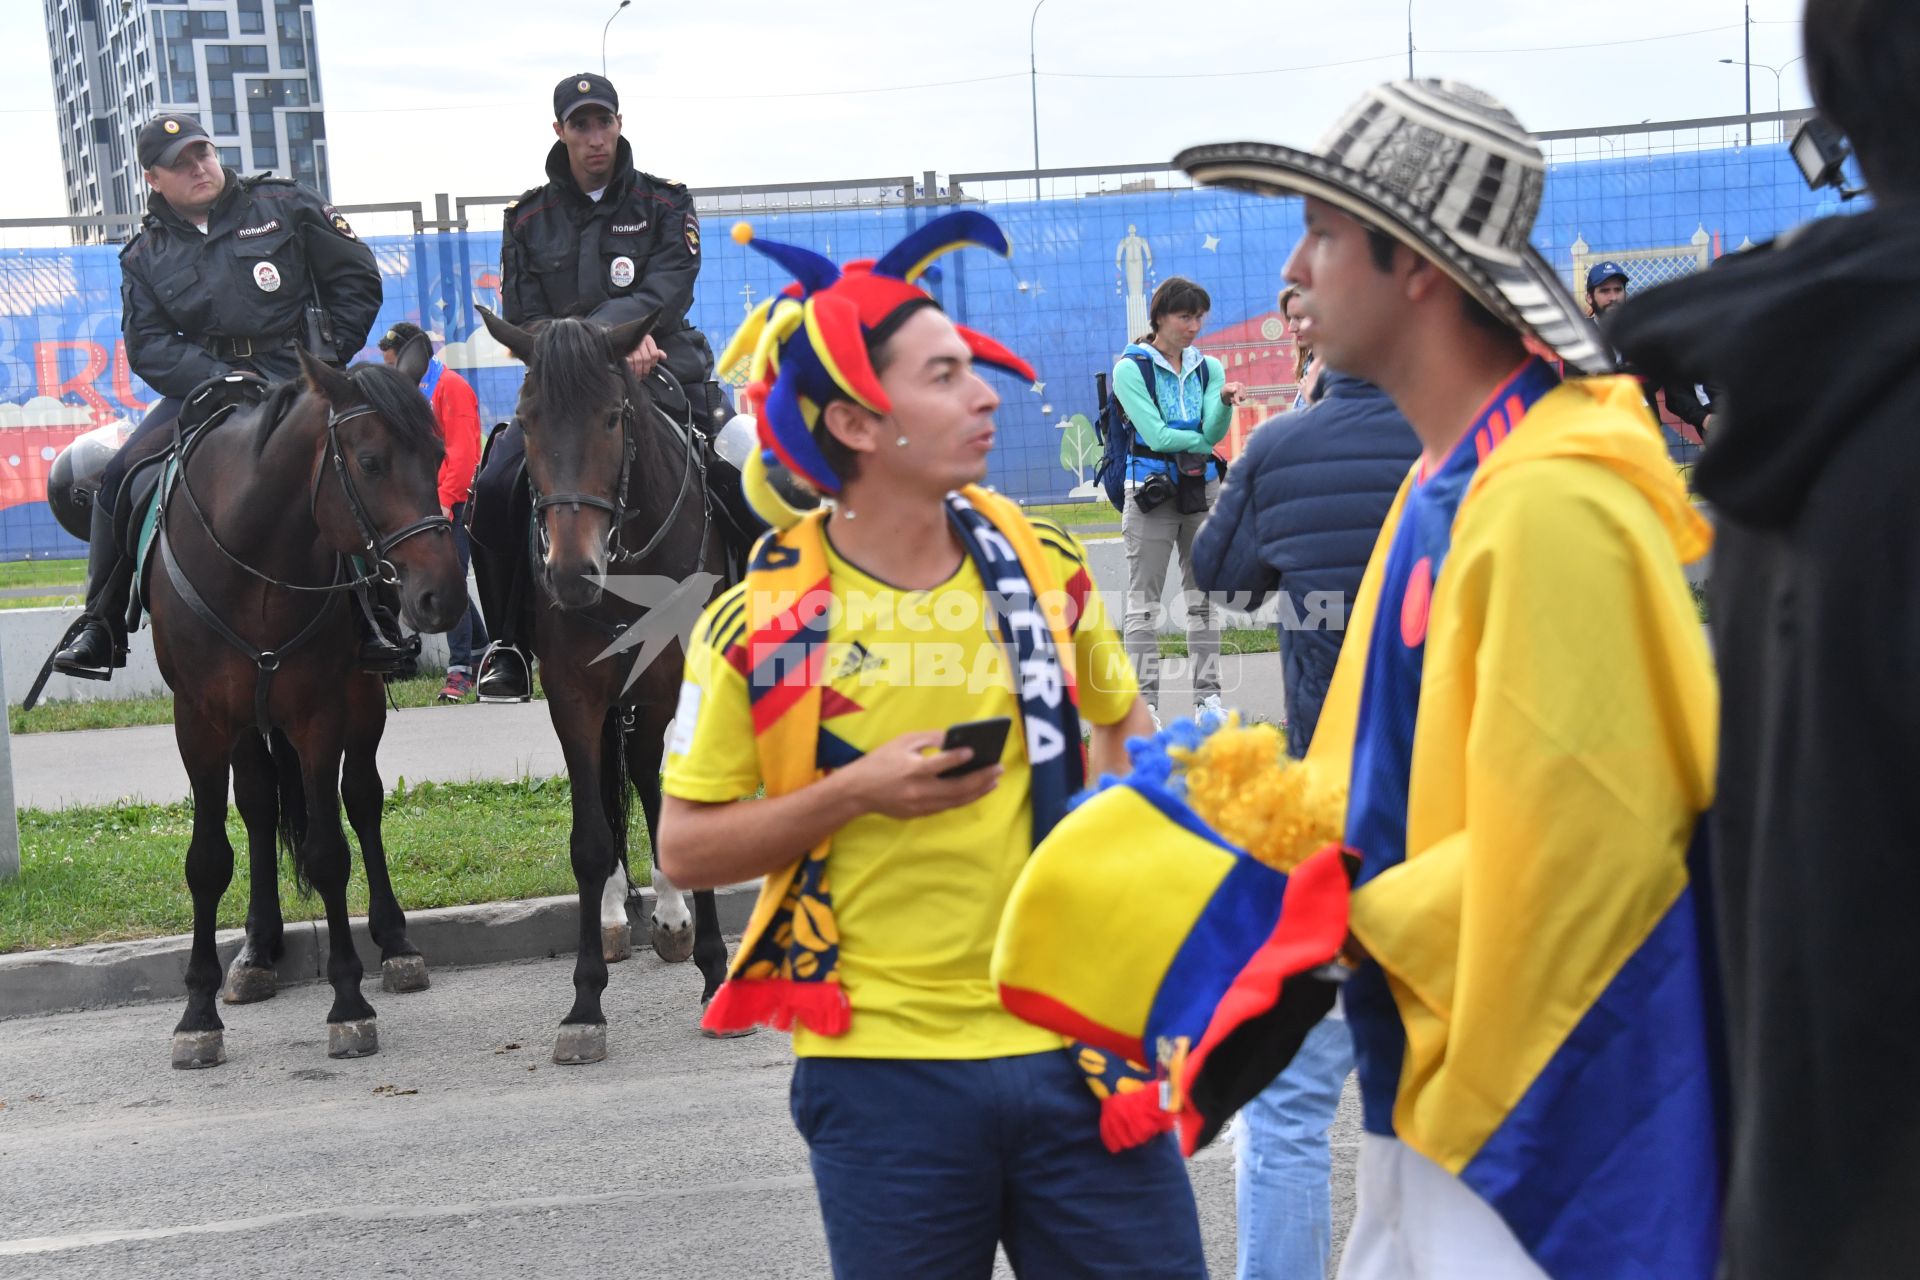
1300	514
1177	420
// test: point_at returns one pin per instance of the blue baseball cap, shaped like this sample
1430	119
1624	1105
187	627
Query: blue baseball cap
1601	272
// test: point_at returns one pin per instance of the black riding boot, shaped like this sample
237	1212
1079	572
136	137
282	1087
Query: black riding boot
506	670
384	649
102	643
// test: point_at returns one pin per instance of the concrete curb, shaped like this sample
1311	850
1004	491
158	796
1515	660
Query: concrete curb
117	973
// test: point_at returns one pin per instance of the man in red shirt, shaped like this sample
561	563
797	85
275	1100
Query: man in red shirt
457	410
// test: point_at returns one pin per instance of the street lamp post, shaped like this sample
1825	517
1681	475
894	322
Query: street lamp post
1033	82
603	35
1409	39
1777	73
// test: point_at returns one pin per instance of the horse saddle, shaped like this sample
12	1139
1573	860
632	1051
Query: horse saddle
144	490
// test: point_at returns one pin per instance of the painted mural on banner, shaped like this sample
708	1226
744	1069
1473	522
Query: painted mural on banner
1074	293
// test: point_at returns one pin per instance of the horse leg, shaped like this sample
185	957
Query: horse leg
324	856
616	931
199	1038
581	725
677	934
251	976
673	932
402	967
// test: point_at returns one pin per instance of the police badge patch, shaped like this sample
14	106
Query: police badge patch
693	234
338	222
267	276
622	272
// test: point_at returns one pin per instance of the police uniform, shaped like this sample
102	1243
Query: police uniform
198	304
563	253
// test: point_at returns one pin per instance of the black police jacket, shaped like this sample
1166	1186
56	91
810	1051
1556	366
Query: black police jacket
615	260
195	306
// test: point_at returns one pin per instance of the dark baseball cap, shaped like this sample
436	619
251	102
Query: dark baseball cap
163	138
399	336
1601	272
584	90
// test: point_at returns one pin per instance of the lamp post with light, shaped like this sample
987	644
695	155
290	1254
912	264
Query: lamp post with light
603	34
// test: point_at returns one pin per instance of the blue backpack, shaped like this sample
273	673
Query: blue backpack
1118	439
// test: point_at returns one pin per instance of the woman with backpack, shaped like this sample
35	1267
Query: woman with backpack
1177	404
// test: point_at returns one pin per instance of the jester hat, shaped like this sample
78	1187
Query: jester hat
1140	928
809	344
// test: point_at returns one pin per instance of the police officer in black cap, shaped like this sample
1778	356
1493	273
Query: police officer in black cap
217	280
602	240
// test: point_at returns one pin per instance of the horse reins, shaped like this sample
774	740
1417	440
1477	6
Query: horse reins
378	548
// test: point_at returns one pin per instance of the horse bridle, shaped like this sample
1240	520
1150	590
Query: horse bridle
379	567
616	508
378	547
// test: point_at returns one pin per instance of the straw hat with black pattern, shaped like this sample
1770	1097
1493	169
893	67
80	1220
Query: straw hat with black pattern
1446	170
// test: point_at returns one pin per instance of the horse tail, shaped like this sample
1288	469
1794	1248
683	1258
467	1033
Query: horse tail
292	817
615	796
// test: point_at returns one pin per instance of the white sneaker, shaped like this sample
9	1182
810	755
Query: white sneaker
1155	713
1212	703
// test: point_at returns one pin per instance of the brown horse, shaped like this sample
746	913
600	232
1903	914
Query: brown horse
251	603
616	490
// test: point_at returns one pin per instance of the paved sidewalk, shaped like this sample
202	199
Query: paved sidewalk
439	744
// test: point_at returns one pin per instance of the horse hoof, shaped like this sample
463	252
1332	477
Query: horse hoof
404	973
357	1039
247	984
675	946
193	1050
616	942
738	1034
580	1043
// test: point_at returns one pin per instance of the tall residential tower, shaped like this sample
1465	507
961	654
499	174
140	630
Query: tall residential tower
245	68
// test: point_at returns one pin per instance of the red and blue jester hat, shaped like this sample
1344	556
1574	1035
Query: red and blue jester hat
808	345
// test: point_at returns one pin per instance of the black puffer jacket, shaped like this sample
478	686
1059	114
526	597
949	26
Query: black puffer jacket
1300	512
191	304
612	260
1813	472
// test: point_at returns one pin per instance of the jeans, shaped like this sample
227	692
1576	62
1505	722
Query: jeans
1152	538
923	1166
1281	1163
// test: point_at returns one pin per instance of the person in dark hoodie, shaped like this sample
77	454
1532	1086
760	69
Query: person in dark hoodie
1816	629
1300	512
600	239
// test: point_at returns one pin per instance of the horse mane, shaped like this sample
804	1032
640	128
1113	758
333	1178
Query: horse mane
573	375
388	393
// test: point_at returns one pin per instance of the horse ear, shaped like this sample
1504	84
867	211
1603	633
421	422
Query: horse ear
623	338
327	382
512	337
414	357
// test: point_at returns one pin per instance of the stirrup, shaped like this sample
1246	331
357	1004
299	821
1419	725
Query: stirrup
493	672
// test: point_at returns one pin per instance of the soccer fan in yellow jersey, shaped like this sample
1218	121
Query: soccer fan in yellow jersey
938	1124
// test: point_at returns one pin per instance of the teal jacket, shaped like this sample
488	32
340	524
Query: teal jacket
1174	416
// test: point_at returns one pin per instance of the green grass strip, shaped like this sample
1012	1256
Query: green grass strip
157	708
104	874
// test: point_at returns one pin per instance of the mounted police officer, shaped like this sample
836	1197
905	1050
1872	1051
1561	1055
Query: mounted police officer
219	279
602	240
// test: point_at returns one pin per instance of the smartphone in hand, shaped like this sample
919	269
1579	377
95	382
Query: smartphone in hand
988	738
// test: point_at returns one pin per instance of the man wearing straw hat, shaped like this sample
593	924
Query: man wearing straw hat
1524	710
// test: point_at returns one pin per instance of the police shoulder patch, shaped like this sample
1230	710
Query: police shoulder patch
337	221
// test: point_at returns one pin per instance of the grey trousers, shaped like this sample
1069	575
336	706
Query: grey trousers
1152	538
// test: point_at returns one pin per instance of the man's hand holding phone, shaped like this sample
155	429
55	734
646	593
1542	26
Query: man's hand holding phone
902	780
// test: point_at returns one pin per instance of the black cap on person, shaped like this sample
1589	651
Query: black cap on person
583	90
163	138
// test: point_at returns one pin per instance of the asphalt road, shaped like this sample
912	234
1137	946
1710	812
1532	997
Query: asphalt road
460	1150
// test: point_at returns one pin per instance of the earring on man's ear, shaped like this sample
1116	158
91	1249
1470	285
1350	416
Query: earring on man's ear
900	442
